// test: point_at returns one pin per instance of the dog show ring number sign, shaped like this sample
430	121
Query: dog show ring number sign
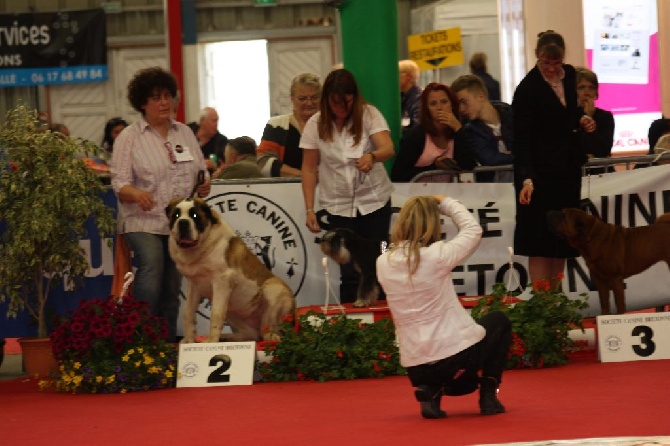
216	364
634	337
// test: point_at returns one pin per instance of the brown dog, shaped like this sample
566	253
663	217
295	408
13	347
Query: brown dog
220	267
613	253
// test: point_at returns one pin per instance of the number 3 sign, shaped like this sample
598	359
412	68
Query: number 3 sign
634	337
216	364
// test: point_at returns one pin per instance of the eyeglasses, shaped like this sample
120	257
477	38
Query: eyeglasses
160	97
305	99
170	152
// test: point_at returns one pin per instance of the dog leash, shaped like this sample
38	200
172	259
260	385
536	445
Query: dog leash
199	180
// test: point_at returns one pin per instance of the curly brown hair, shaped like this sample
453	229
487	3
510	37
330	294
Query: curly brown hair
149	82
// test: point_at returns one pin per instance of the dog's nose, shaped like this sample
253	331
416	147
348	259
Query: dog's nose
184	228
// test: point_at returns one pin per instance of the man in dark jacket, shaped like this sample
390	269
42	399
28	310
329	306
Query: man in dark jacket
489	127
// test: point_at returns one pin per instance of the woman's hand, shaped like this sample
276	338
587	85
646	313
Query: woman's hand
204	188
588	124
526	193
143	199
312	222
447	118
589	106
364	163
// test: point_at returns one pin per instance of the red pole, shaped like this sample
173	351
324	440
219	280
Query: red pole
173	35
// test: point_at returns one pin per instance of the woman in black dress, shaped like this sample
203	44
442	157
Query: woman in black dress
548	156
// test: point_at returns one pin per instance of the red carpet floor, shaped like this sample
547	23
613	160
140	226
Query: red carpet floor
581	400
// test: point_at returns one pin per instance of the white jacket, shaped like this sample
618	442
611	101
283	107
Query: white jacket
430	321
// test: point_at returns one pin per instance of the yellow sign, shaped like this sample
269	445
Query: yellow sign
436	49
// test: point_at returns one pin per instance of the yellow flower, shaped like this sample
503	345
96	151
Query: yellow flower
125	358
123	390
162	355
98	379
138	363
168	373
77	379
77	365
131	351
140	350
148	359
110	379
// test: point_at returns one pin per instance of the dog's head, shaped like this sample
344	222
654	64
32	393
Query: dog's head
334	244
190	221
573	224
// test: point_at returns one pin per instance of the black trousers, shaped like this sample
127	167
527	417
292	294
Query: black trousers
373	226
458	374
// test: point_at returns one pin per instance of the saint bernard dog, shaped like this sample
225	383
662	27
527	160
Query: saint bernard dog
218	266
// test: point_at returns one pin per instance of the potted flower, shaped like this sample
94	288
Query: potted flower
47	196
112	346
322	348
540	324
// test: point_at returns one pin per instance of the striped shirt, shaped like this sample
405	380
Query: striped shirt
166	168
343	189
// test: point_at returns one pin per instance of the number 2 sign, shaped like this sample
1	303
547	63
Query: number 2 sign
216	364
634	337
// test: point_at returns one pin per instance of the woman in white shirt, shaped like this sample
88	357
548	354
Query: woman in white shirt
347	141
441	346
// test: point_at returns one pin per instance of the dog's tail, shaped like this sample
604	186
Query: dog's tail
664	218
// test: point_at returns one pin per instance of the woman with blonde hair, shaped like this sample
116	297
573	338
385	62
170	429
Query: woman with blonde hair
279	154
441	345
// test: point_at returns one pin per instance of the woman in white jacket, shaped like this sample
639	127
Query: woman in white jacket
441	346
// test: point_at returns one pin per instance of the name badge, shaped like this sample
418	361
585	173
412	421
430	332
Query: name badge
182	153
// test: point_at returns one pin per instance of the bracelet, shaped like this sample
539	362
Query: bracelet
309	210
374	157
528	182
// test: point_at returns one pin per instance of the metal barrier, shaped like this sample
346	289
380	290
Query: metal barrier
630	162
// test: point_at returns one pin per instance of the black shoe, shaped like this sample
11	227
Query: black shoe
429	398
489	404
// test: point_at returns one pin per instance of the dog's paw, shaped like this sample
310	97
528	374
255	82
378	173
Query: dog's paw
361	303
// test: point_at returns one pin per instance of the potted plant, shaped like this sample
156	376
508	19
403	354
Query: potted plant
323	348
540	324
47	196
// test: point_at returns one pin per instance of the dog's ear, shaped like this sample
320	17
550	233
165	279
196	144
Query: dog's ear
170	207
207	210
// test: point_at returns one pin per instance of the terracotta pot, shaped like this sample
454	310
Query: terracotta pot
38	357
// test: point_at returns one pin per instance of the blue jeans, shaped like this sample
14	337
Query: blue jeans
157	280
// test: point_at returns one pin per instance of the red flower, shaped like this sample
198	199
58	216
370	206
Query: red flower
541	285
560	276
340	354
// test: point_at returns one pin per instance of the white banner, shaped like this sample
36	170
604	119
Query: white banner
271	220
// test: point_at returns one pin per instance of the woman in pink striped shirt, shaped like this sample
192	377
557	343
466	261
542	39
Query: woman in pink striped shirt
154	160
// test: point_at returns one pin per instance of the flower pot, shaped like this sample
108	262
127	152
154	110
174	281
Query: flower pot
38	358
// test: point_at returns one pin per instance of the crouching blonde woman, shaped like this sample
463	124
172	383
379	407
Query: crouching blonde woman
441	346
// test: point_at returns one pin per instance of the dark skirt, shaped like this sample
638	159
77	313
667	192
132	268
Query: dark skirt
532	237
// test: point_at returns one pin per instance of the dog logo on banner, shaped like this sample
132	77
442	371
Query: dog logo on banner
268	231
